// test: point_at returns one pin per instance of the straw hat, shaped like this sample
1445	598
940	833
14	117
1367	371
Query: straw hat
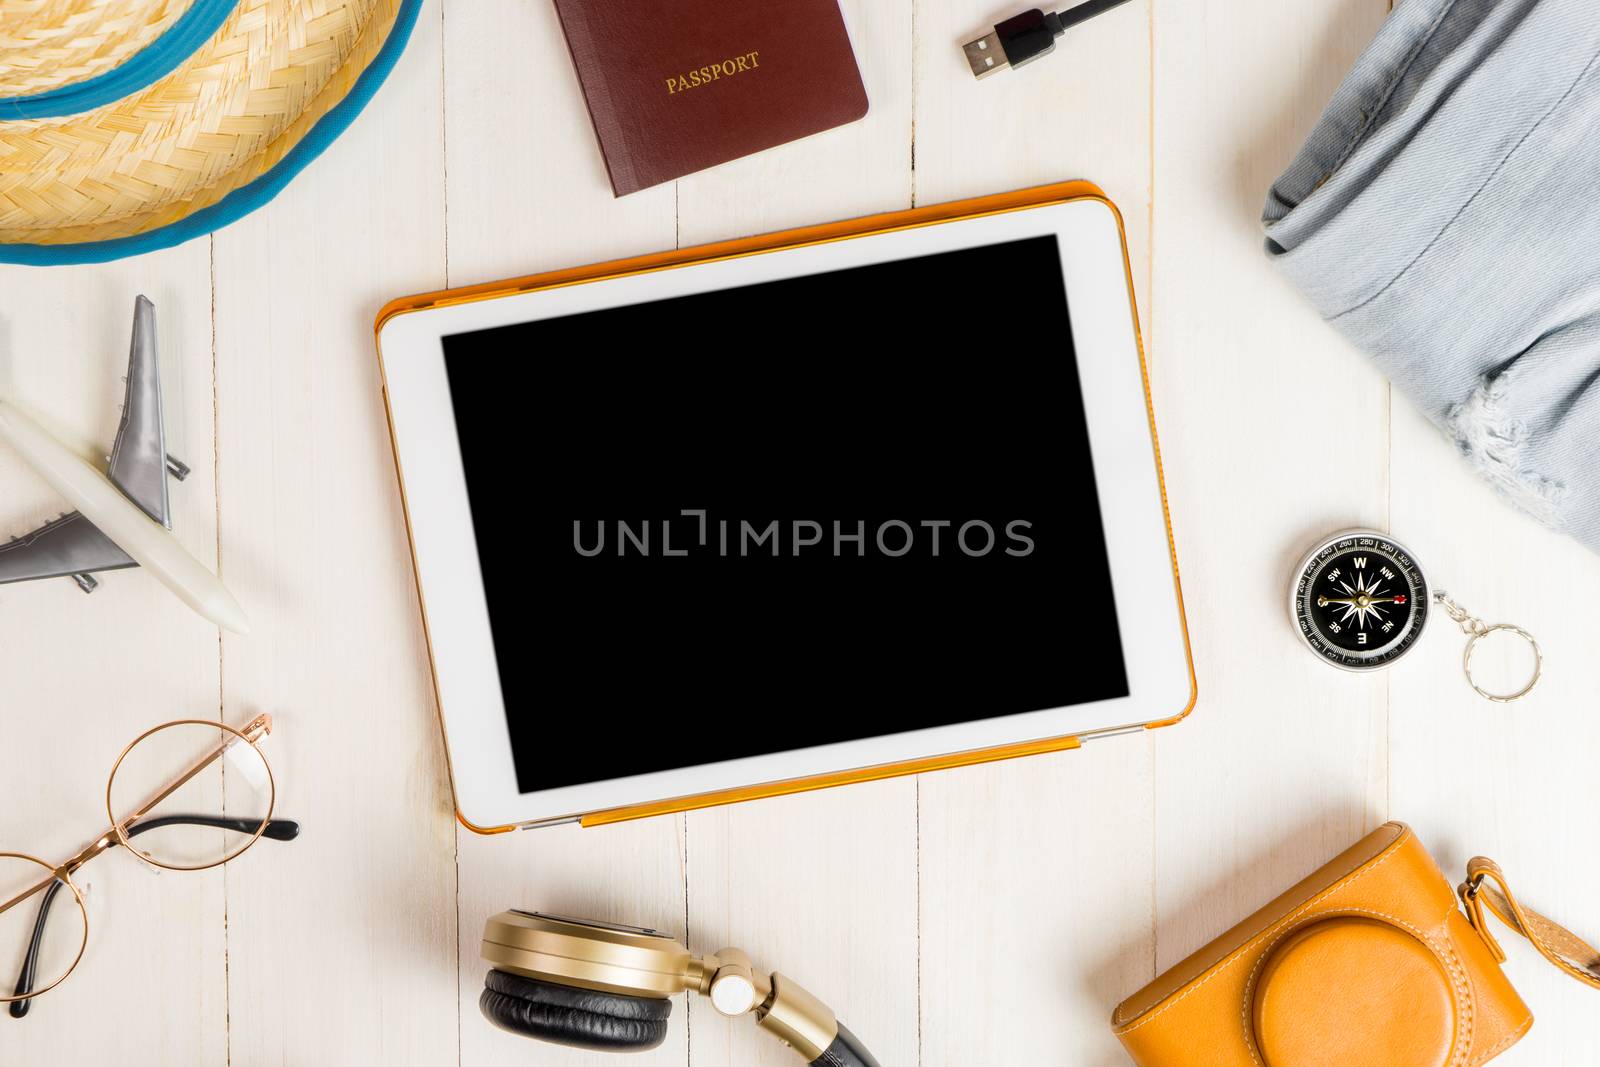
130	125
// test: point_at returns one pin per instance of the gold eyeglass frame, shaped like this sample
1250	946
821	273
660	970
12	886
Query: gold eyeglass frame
251	733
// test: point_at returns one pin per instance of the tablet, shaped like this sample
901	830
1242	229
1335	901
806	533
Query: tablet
799	510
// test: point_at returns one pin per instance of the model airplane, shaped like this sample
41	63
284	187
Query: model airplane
123	522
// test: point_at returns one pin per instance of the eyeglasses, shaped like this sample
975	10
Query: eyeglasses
160	798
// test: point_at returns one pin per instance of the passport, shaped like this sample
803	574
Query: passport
676	86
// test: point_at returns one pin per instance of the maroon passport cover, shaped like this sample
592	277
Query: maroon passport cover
675	86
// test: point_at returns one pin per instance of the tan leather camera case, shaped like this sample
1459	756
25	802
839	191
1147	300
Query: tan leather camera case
1369	961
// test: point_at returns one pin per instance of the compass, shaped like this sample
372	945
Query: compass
1359	600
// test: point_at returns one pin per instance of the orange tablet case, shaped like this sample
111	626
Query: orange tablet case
1000	203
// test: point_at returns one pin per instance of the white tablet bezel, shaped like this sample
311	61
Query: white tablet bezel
1149	612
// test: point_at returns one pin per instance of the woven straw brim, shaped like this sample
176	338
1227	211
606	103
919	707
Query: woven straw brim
48	44
226	116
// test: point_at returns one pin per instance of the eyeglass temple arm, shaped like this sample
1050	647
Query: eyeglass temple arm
251	732
276	829
177	783
30	962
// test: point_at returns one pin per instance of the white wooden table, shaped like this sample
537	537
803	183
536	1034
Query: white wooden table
995	914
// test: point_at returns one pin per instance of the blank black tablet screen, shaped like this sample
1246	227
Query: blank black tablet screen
788	514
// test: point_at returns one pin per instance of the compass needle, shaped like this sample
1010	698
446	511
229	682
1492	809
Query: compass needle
1375	602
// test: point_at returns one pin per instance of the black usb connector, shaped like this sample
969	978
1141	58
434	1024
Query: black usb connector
1028	36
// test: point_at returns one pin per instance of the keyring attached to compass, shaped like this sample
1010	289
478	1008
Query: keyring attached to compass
1360	601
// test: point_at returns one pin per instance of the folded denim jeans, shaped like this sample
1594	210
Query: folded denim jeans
1445	216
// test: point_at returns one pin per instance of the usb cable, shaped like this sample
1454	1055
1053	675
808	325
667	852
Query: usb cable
1028	36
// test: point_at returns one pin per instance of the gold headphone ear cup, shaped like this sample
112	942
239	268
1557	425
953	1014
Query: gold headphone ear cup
567	1015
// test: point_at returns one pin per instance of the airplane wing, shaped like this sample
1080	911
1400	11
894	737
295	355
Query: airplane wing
139	457
70	545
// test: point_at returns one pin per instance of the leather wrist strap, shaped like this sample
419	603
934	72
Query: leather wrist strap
1555	942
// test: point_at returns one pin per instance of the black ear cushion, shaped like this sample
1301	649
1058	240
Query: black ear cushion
582	1018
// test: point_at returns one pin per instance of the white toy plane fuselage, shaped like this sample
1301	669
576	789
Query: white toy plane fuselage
123	518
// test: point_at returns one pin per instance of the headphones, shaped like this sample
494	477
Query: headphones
601	986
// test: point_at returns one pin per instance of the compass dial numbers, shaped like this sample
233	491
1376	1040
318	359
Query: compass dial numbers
1360	601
